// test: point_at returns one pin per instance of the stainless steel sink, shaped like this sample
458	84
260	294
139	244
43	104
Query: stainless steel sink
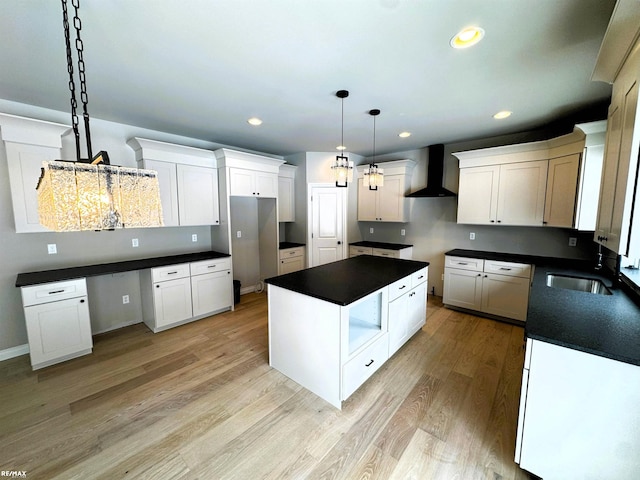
590	285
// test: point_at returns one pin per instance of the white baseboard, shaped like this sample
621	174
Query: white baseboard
14	352
245	290
115	327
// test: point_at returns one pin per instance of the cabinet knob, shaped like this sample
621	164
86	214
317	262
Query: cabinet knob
544	223
492	221
499	221
157	286
82	301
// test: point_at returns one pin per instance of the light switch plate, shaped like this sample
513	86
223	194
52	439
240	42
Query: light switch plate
239	234
402	231
134	242
472	236
52	249
371	230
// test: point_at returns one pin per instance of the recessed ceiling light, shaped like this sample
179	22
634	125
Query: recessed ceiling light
404	134
255	121
502	114
467	37
341	147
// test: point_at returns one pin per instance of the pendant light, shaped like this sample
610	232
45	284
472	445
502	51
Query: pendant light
91	194
343	168
373	175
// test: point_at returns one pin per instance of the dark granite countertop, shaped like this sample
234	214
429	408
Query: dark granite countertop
388	246
345	281
46	276
604	325
284	245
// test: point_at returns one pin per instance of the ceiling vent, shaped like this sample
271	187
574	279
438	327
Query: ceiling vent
435	176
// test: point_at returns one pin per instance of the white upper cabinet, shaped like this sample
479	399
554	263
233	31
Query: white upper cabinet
547	183
28	143
286	193
388	203
188	180
248	174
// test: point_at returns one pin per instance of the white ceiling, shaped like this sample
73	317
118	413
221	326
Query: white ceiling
201	68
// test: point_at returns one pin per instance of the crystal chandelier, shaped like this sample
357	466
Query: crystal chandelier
91	194
342	168
373	175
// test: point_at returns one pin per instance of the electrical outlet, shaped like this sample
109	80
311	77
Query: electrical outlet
573	241
402	232
134	242
443	277
125	299
194	237
239	234
52	249
472	236
371	230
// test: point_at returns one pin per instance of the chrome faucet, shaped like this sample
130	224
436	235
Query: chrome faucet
599	264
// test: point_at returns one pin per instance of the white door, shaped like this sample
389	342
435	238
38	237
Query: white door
328	228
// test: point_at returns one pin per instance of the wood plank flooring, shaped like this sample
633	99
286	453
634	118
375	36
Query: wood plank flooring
201	402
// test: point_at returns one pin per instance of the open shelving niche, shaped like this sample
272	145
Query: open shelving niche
365	321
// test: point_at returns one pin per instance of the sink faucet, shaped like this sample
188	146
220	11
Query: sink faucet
599	263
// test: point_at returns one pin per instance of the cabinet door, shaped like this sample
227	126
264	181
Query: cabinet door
288	265
462	288
266	184
168	182
478	195
398	322
417	308
198	202
562	186
521	193
241	182
211	292
172	301
367	203
505	296
391	201
58	330
286	206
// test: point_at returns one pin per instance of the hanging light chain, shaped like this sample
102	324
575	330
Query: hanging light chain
72	84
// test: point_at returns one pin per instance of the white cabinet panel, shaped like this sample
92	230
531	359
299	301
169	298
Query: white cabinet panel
388	202
291	260
505	295
521	193
562	189
252	183
478	195
359	369
286	199
198	202
462	288
172	303
168	183
211	292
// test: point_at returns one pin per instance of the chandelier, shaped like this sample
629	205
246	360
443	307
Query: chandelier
92	194
373	175
343	167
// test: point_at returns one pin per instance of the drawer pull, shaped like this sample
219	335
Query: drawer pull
505	268
56	291
369	364
463	263
171	273
420	277
292	253
211	266
403	286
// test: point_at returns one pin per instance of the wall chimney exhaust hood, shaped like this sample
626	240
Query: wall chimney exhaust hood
435	176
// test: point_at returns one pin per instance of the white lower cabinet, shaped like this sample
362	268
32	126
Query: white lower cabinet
578	415
488	286
291	260
406	252
178	294
407	309
58	323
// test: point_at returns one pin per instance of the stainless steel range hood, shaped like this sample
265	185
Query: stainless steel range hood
435	176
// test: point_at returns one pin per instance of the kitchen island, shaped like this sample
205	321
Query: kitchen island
332	326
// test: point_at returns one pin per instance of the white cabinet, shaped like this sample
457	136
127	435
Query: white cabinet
406	252
388	202
407	308
291	260
58	323
252	183
178	294
188	179
578	415
478	194
488	286
562	189
286	193
28	143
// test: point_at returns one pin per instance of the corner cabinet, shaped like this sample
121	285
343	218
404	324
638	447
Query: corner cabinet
546	183
28	143
388	202
578	415
188	179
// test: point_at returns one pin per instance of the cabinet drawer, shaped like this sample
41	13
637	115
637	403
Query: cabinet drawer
171	272
383	252
210	266
399	287
53	292
291	252
508	268
464	263
355	251
357	370
419	277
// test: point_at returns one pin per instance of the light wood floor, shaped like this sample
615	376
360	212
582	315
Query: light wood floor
200	401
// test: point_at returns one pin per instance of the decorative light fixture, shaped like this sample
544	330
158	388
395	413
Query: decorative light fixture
373	175
343	168
467	37
91	194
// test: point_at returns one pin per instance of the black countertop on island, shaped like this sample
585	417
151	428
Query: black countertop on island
56	275
345	281
388	246
604	325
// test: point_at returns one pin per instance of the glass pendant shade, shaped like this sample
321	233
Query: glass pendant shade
343	171
373	177
79	196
